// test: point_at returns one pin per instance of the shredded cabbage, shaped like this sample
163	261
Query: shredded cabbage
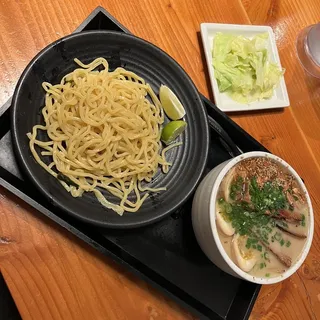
242	67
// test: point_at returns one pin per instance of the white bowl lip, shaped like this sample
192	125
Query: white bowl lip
212	203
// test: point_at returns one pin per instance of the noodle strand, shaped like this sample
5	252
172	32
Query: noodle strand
104	134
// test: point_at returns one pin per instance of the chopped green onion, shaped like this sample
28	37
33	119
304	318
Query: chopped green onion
303	221
277	236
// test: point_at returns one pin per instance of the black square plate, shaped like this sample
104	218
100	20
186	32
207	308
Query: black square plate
165	254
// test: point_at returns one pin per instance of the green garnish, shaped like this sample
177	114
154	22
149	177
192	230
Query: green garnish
262	265
270	197
251	242
277	236
244	219
303	221
236	187
257	219
267	275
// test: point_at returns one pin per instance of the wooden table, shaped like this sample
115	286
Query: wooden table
53	275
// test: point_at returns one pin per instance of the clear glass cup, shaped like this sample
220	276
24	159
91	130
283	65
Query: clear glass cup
308	49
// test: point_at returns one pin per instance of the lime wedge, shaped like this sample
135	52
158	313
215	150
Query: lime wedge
171	104
172	130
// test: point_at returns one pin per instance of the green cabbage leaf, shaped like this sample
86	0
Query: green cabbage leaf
242	67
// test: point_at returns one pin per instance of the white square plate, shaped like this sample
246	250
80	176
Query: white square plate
280	97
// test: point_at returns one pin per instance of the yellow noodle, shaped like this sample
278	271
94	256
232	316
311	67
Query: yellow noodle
104	134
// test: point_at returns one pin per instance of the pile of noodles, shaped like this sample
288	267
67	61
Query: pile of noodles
104	134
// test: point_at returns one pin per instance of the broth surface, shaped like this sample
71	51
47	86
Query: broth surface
262	217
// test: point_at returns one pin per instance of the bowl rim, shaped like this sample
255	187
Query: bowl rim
103	222
227	259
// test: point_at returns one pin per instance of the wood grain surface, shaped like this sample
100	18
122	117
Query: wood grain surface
53	275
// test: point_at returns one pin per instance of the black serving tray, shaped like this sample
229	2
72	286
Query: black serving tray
165	254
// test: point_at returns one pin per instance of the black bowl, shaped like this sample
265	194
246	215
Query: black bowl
157	68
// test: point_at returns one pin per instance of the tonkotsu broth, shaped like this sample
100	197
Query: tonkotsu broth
262	217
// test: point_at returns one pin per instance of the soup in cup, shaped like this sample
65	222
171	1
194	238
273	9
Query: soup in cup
252	217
